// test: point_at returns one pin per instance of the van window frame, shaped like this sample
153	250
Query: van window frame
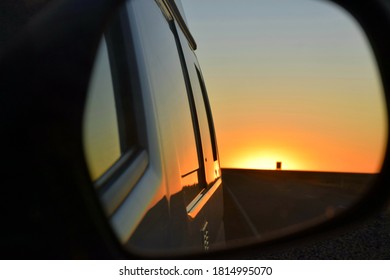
134	158
207	106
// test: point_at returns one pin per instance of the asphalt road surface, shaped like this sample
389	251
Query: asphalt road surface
260	203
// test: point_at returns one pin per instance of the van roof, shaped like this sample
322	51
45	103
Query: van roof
172	11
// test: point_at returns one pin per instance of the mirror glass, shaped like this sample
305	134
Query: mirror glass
298	109
270	121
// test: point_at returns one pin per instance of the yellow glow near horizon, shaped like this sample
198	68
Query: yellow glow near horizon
304	150
268	162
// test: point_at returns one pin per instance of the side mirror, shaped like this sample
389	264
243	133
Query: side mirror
57	206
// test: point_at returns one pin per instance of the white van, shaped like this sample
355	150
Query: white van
148	132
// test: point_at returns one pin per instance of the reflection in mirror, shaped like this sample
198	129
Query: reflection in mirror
285	97
298	110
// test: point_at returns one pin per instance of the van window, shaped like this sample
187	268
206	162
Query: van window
203	122
209	115
114	129
100	127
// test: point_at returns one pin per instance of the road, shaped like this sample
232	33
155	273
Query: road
262	203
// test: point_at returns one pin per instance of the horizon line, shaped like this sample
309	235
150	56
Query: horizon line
300	170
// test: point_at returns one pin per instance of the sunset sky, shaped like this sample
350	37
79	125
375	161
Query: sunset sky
290	81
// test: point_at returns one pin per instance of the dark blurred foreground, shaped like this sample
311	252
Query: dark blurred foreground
368	241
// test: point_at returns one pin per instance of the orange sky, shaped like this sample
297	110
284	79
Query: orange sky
296	84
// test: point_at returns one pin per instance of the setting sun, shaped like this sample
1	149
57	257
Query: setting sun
263	160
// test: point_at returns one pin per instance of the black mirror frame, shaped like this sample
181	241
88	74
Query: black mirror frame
44	174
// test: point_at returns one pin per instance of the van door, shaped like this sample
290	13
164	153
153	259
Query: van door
209	203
